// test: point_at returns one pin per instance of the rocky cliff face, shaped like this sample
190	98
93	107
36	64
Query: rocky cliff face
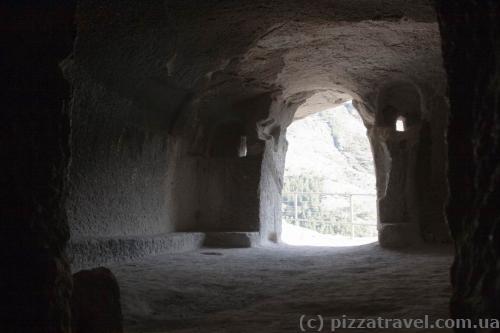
332	145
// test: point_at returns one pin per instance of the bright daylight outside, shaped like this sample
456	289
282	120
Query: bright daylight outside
329	196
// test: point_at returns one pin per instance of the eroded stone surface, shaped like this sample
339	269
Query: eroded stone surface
471	57
165	93
268	289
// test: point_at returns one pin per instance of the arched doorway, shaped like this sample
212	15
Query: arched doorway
329	195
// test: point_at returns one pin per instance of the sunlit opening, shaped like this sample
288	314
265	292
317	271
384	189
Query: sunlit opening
400	124
329	196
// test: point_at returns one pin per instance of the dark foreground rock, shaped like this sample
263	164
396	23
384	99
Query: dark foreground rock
95	303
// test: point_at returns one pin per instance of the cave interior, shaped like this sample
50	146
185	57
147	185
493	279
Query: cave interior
143	148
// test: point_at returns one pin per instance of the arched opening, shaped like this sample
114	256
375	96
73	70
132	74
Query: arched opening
400	124
329	193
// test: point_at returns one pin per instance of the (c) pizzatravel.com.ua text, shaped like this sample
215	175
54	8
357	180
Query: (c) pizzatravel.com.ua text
320	323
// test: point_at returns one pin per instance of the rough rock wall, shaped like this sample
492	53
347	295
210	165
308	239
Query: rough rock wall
217	165
273	131
118	173
270	188
431	173
150	156
34	150
122	108
165	91
470	33
410	165
153	157
228	194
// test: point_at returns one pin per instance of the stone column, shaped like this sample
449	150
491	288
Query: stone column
395	158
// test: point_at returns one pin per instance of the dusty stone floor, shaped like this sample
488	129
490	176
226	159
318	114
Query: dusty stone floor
268	289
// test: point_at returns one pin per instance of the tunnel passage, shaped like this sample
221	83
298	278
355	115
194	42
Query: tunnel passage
163	95
174	142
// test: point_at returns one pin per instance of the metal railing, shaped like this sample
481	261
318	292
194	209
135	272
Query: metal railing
319	222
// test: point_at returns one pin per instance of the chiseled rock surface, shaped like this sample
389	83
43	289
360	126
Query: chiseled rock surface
268	289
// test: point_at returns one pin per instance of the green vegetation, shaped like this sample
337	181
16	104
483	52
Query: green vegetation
305	205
